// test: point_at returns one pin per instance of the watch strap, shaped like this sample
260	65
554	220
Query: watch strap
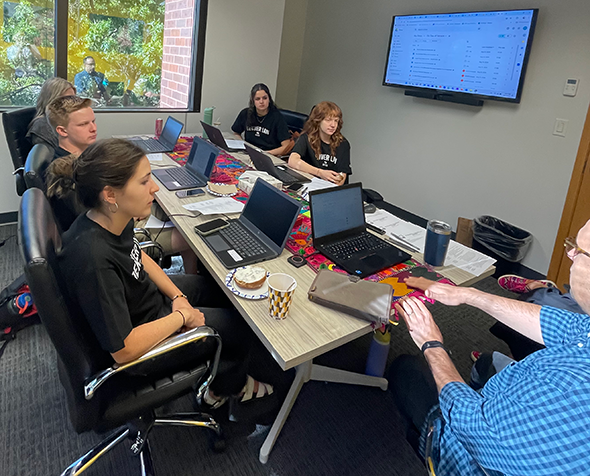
432	344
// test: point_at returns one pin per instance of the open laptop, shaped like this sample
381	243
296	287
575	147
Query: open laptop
261	231
216	136
167	140
339	232
197	170
263	162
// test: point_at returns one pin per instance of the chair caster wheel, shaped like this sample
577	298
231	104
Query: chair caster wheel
216	442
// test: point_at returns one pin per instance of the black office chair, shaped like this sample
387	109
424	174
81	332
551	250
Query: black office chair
102	396
295	120
36	165
16	124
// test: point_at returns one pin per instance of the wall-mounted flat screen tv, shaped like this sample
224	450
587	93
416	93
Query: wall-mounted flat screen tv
482	55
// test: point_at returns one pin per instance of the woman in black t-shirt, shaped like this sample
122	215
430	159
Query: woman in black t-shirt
129	302
322	150
262	123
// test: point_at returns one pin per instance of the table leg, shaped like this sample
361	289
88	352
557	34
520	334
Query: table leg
302	375
305	372
328	374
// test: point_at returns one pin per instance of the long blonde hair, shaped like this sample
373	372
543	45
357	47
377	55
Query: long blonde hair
52	89
312	126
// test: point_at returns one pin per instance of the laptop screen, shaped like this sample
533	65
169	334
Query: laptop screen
202	157
171	131
271	211
337	209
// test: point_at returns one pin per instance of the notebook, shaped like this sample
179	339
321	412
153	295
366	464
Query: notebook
263	162
216	136
339	232
167	140
197	170
261	231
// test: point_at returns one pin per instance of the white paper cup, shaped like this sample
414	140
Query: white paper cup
281	288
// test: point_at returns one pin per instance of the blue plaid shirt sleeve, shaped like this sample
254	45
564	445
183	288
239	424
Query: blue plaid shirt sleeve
529	419
560	327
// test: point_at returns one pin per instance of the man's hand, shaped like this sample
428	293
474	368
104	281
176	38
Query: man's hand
444	293
420	323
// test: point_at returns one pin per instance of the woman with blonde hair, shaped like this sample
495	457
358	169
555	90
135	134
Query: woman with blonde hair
40	131
322	150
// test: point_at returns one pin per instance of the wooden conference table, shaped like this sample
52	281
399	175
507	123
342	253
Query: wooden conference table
310	330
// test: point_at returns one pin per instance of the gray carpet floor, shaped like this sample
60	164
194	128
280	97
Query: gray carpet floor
333	429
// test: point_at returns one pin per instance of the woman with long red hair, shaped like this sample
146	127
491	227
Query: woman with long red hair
322	150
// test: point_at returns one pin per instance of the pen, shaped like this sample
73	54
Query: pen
403	242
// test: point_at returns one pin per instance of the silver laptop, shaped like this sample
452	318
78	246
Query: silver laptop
261	231
197	170
166	141
216	136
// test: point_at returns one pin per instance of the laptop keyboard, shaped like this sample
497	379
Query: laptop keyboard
241	240
345	249
182	176
284	176
149	144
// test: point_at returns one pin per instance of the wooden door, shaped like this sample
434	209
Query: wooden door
576	211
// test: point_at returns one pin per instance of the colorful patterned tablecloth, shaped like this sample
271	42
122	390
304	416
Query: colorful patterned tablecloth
228	169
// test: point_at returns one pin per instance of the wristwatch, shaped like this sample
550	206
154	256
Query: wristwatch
180	295
434	343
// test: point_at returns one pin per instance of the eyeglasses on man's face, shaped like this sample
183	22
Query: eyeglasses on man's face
572	249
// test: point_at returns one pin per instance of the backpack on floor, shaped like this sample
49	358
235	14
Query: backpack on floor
17	310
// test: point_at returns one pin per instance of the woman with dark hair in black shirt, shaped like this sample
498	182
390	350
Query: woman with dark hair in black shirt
128	300
262	123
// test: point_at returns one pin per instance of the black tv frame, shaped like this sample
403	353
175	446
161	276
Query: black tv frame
459	97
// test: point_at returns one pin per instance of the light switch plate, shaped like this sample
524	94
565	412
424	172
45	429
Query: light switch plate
560	127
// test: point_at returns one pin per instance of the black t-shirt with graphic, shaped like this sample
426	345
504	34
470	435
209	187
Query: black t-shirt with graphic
338	163
105	277
266	132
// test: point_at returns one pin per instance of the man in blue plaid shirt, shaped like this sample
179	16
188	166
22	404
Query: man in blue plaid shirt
533	416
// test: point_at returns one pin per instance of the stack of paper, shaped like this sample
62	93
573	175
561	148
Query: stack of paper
315	184
214	206
458	255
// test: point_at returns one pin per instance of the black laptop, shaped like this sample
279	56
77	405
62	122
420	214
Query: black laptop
197	170
261	231
167	140
339	232
216	136
263	162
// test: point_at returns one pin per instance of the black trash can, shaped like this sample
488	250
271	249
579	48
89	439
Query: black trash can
502	241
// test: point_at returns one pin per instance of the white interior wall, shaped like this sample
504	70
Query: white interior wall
241	48
291	54
443	160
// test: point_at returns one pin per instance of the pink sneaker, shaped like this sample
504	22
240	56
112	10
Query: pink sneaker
518	284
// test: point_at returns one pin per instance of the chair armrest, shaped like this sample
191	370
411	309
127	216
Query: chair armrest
172	343
142	231
148	245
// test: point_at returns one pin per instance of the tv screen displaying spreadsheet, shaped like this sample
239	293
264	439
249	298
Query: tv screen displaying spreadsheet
476	53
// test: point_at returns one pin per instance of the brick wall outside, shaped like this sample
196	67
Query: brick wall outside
177	57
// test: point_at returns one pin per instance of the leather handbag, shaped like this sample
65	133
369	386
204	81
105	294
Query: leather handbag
366	300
